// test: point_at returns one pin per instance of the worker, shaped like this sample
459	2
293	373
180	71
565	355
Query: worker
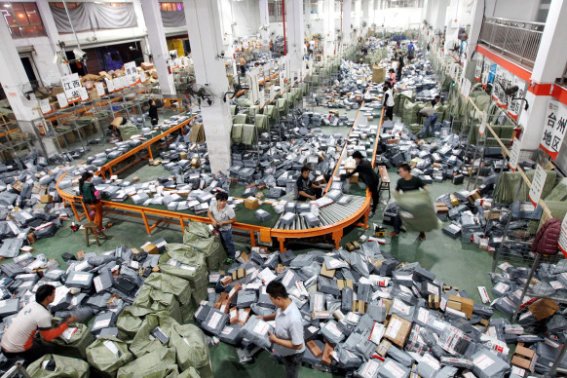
389	100
368	176
430	112
392	76
92	198
242	63
288	343
411	51
307	189
19	341
222	217
406	183
400	67
153	112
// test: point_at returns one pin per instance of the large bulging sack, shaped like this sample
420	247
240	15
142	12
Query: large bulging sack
417	211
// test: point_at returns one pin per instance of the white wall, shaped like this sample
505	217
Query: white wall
399	18
42	54
521	10
246	14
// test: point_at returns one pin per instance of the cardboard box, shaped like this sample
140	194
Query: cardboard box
462	304
314	349
326	359
524	357
329	273
354	179
46	198
398	330
441	208
251	203
543	308
378	74
150	248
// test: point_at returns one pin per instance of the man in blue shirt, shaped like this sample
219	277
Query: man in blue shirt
287	340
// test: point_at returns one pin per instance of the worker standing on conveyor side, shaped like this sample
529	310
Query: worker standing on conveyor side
222	216
389	100
407	183
368	176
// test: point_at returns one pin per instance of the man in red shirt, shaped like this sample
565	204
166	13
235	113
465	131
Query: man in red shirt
19	339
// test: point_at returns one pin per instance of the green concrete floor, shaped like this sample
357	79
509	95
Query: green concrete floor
459	265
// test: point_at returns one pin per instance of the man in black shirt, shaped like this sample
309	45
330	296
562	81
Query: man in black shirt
368	176
306	189
407	183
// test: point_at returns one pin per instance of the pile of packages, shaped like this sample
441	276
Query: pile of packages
363	311
29	205
132	306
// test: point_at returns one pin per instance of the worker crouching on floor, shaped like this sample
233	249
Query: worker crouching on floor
306	188
287	340
222	217
368	176
407	183
19	340
91	197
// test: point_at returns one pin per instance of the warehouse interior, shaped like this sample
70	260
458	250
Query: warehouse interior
296	188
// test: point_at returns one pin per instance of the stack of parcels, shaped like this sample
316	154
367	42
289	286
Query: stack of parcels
30	207
542	322
364	314
134	301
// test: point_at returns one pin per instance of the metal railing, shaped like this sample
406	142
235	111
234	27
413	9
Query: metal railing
517	39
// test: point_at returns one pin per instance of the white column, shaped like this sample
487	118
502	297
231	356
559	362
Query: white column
264	21
329	28
52	34
295	36
205	36
547	69
227	18
476	24
346	22
158	45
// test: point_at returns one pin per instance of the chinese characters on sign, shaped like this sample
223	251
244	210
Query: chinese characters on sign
71	86
537	185
554	128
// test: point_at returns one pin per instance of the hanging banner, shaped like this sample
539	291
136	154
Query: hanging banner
563	236
554	128
131	73
515	155
538	183
71	84
515	107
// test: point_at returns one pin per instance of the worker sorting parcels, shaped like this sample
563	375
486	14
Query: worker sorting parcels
306	188
19	339
288	343
407	183
368	176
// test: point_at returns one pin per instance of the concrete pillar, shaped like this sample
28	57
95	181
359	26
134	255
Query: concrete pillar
264	21
330	28
158	45
52	34
346	22
295	37
476	24
205	36
227	19
546	70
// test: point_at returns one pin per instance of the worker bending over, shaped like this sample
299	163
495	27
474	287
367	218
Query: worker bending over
406	183
306	188
368	176
287	340
19	339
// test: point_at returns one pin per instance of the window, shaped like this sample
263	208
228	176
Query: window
275	10
171	7
23	19
385	4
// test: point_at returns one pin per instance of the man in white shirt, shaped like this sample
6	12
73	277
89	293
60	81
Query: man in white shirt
287	341
19	341
389	100
222	217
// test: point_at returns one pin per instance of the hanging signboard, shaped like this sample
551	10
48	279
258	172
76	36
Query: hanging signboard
109	85
492	73
538	183
478	68
563	236
84	94
100	89
554	128
483	122
515	155
45	106
62	100
131	73
71	84
515	107
466	87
